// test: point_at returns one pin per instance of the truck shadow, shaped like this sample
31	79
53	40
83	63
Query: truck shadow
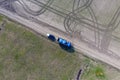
68	49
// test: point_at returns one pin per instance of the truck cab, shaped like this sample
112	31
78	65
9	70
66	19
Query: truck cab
51	37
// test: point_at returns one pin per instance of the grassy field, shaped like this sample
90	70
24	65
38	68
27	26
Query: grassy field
27	56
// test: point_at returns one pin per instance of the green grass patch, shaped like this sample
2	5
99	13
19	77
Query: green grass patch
94	72
1	17
22	53
99	72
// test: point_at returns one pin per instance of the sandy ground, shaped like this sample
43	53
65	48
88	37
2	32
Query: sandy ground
48	24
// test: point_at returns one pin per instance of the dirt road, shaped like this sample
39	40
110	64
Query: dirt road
43	28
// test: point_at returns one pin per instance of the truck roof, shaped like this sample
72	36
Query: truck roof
64	42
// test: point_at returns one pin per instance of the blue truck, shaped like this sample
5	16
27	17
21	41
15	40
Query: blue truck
62	42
